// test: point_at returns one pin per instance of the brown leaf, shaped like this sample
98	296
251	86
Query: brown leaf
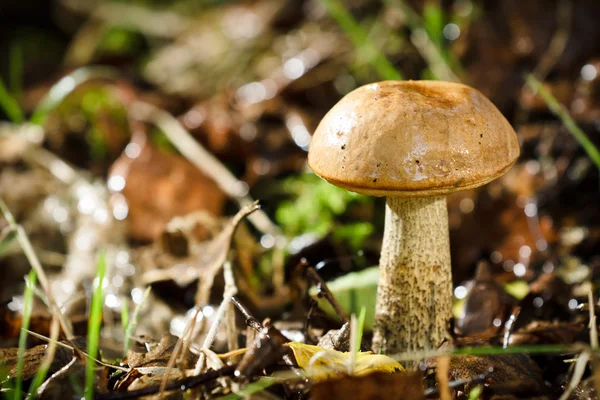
486	302
507	376
160	354
160	186
371	387
32	360
542	332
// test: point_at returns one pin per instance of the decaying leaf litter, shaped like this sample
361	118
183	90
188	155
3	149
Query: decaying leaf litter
155	129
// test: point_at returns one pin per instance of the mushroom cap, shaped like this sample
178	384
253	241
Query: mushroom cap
412	139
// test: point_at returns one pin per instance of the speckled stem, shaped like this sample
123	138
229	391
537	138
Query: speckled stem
414	296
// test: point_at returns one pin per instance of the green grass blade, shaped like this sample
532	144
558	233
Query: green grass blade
563	114
359	37
132	324
27	307
94	324
6	240
10	105
40	375
65	86
361	324
475	392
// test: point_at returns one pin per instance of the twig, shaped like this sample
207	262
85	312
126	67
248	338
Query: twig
203	160
69	347
434	392
40	375
594	340
250	320
582	361
509	324
593	327
230	290
187	331
133	322
35	264
442	371
221	250
233	353
230	287
183	384
322	286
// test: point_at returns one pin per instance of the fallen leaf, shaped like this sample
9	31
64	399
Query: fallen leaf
506	376
332	363
182	188
159	355
542	332
377	385
32	360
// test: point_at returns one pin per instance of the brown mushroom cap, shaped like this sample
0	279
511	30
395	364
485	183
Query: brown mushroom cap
412	139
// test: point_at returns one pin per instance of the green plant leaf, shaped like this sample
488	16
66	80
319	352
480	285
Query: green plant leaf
94	324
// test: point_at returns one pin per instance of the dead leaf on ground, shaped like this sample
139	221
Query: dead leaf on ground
159	355
32	360
485	305
543	332
321	363
159	186
378	385
507	376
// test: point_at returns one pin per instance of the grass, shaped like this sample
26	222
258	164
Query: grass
25	244
7	238
27	308
40	375
356	332
131	324
441	62
10	106
125	325
65	86
360	39
563	114
94	324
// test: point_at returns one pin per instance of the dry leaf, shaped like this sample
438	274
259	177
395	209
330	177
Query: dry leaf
332	363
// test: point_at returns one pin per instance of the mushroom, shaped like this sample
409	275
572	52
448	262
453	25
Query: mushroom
414	142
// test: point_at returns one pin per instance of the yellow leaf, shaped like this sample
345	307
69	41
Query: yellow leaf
320	363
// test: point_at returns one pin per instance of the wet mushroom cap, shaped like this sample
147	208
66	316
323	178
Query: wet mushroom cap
412	139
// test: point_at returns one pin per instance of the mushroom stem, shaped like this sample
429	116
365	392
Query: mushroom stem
414	296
